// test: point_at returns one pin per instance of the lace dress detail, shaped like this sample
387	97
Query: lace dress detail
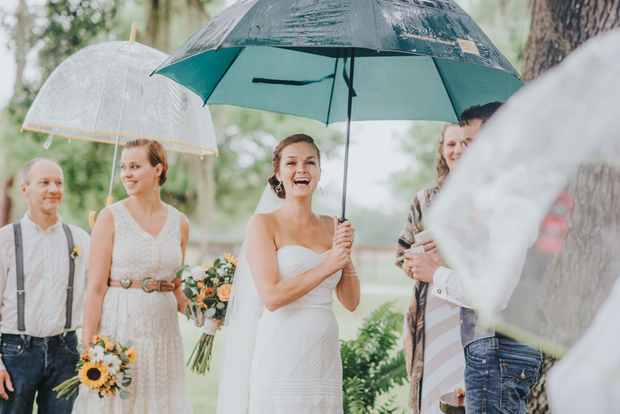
296	367
148	319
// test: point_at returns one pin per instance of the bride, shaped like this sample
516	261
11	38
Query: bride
134	240
297	259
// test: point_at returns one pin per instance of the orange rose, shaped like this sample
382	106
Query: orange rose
109	346
223	292
200	285
107	392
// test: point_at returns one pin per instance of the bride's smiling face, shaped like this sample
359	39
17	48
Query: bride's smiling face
299	169
137	173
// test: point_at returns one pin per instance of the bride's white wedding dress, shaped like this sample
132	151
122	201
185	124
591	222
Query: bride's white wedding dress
296	367
148	319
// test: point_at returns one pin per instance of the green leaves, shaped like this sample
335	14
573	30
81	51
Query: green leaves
370	366
123	357
181	270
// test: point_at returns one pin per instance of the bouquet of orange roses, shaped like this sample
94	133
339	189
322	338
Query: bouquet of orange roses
208	289
99	368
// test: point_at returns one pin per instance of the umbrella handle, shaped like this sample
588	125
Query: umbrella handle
91	219
92	214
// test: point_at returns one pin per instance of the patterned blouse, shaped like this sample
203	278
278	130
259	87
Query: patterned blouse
414	318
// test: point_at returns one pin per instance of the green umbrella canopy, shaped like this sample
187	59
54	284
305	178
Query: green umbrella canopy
414	59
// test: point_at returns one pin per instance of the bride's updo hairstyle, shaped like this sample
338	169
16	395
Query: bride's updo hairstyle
277	154
156	154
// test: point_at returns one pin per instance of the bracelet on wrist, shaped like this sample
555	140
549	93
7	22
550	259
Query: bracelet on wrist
350	273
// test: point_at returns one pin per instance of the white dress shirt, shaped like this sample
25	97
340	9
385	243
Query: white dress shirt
447	286
46	277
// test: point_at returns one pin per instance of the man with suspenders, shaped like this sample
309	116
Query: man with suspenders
43	271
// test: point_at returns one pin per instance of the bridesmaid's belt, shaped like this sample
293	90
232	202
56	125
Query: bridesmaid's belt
148	285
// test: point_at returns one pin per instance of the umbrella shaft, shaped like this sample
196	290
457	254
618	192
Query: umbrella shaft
118	137
346	145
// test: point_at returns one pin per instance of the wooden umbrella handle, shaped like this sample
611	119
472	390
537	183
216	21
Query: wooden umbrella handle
132	37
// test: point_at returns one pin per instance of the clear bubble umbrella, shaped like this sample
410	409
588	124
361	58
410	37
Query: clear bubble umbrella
104	93
530	218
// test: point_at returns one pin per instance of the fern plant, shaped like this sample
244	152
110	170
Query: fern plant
369	370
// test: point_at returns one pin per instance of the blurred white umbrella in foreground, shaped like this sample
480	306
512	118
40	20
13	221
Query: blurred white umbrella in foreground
532	211
104	93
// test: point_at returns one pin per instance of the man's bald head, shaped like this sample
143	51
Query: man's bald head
26	176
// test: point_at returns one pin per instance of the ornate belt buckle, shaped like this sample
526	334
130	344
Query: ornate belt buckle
126	283
145	285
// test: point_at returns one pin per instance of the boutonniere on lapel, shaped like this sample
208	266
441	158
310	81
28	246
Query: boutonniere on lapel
76	252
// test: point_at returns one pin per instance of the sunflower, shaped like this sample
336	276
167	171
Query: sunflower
229	257
93	375
132	354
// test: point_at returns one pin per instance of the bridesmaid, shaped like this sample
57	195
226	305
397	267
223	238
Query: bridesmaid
137	246
431	323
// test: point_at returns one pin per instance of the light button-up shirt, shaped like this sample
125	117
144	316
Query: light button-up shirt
46	277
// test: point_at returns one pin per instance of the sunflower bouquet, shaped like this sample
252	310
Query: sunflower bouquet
99	368
208	288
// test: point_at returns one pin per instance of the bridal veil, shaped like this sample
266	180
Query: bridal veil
242	319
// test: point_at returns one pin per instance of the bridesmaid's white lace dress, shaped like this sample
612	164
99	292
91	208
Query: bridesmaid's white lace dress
296	367
148	319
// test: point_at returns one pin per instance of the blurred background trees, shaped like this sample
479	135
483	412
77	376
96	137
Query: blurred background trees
217	193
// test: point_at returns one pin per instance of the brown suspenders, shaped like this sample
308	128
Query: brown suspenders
19	271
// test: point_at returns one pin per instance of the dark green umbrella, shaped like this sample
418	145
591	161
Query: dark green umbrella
411	59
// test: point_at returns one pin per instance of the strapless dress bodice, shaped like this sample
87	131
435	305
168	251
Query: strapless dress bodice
293	261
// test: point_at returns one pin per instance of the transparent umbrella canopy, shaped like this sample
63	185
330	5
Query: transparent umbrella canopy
531	213
104	93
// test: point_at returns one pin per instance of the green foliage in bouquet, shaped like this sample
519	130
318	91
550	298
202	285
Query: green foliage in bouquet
208	288
370	369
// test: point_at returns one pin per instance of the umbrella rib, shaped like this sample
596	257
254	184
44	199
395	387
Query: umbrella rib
443	82
331	94
374	12
107	76
223	75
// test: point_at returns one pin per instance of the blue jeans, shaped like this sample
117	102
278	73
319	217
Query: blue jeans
36	366
499	373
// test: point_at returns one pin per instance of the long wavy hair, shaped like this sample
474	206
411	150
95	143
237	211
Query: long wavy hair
440	162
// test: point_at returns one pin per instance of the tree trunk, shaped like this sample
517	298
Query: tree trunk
558	27
6	204
158	25
20	35
195	16
21	14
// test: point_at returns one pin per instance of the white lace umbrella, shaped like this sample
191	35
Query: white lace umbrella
104	93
